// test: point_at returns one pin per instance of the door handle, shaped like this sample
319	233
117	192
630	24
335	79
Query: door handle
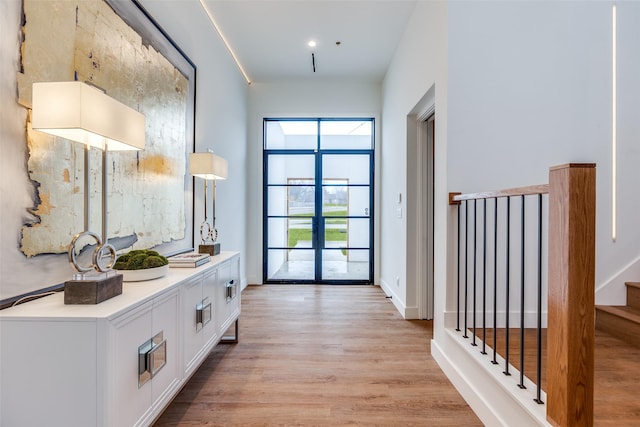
314	231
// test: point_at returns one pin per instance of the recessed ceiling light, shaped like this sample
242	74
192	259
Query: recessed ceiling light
312	43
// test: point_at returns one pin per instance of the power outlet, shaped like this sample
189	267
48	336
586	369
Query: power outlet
397	281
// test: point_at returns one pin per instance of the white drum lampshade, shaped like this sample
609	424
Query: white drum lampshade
82	113
207	166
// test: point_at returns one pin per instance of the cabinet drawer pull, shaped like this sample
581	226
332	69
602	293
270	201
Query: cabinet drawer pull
231	290
203	313
152	356
157	358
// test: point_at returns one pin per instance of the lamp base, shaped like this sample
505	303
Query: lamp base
211	249
92	291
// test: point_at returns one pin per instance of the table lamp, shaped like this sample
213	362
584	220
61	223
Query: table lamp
83	113
209	167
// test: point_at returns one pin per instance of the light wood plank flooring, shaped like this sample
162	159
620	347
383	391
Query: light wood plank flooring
342	355
321	355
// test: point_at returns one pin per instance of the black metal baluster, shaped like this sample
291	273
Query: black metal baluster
458	291
475	257
538	398
522	275
495	282
507	267
484	279
466	265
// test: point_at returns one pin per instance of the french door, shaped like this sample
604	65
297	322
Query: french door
318	201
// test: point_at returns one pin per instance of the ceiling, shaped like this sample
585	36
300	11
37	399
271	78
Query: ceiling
269	37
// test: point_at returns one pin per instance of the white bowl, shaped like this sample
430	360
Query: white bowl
144	274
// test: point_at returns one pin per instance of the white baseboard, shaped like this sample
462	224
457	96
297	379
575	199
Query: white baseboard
395	300
406	312
411	313
254	280
494	397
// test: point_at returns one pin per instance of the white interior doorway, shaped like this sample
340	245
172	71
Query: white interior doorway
421	149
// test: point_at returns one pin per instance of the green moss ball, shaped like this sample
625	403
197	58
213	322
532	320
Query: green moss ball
139	259
153	261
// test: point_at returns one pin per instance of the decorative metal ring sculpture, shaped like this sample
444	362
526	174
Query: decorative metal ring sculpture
208	232
100	254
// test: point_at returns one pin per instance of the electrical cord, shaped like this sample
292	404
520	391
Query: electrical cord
32	297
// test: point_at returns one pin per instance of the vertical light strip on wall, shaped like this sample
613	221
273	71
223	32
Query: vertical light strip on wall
224	40
614	123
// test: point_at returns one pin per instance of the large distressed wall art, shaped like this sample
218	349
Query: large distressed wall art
114	46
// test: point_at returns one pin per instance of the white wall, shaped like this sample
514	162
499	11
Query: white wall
623	257
529	88
416	76
221	115
298	98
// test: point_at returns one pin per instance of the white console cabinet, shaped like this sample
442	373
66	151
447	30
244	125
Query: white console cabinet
118	363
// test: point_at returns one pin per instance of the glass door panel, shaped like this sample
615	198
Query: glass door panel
285	265
346	226
346	200
346	233
352	167
291	135
284	167
277	197
345	264
346	135
290	207
278	232
301	197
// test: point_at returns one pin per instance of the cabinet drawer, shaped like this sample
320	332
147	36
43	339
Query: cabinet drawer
137	395
209	281
192	336
228	295
129	401
165	321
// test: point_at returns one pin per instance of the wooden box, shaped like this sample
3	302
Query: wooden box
92	291
211	249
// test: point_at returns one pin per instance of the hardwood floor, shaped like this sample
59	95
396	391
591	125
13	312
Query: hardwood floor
332	355
530	350
321	355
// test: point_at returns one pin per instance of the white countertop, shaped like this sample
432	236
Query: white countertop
133	294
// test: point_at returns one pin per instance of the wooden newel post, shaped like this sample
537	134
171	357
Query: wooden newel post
571	310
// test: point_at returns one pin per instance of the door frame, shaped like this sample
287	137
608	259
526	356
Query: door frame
317	221
425	217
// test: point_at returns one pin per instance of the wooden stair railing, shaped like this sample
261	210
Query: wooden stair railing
571	289
571	300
